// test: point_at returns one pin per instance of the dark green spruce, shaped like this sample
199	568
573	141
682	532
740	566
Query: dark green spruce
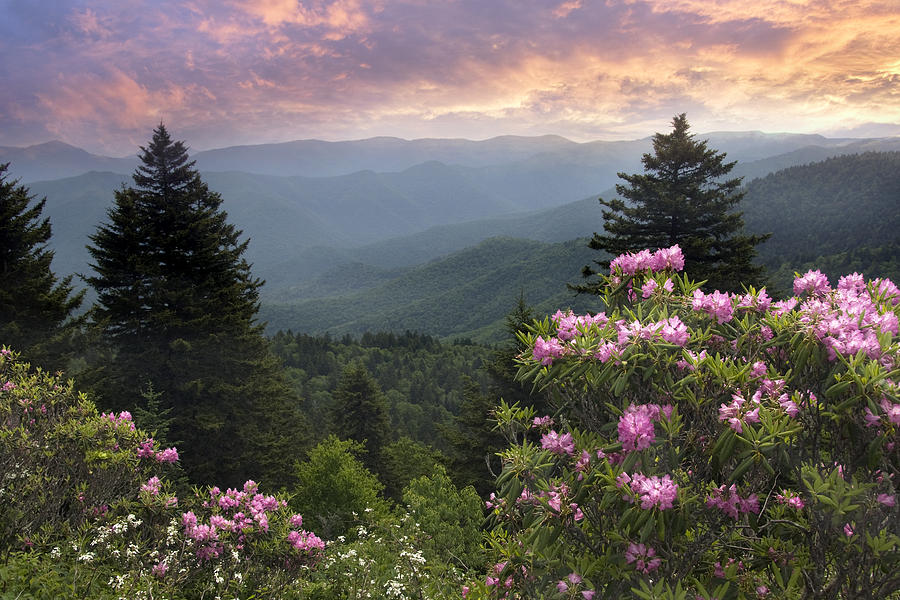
361	414
683	197
36	310
176	309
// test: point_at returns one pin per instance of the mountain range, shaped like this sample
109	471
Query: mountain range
331	219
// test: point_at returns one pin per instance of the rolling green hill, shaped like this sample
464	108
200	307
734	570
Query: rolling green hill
842	213
467	294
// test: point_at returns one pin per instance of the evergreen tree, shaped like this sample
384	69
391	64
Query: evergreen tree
177	305
473	441
361	414
35	309
682	198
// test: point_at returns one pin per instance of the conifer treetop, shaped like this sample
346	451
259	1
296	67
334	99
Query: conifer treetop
166	168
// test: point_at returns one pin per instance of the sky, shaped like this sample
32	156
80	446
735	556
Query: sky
100	74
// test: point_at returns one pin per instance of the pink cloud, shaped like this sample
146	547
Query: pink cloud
283	69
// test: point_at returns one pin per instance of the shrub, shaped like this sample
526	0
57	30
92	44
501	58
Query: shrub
705	445
86	511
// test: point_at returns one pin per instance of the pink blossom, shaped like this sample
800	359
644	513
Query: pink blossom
717	305
152	486
891	410
848	531
648	288
758	369
305	541
588	594
636	427
813	282
169	455
791	499
159	569
546	350
729	501
296	521
558	444
654	491
674	331
642	556
145	449
887	500
542	421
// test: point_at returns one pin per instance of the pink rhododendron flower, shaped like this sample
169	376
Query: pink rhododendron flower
891	410
887	499
674	331
169	455
654	491
636	427
159	569
813	282
546	350
544	421
305	541
729	501
642	556
848	531
145	449
152	486
717	305
791	499
558	444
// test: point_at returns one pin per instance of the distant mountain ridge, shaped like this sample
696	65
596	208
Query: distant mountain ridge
317	158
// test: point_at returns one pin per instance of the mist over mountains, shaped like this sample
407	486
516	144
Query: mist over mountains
327	219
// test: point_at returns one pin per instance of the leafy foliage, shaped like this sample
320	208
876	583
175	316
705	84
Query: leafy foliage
706	445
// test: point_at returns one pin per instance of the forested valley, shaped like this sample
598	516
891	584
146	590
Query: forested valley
429	430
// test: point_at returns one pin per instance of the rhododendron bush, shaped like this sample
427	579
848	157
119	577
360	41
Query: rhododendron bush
706	445
86	509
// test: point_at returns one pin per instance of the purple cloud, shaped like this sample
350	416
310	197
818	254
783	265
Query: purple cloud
101	73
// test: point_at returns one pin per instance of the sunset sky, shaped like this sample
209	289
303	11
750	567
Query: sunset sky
100	74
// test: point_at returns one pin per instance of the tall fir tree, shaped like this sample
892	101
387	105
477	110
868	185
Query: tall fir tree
36	310
683	197
361	414
176	304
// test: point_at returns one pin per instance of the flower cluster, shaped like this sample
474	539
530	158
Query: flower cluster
558	444
636	425
146	450
652	491
122	419
643	557
730	502
664	258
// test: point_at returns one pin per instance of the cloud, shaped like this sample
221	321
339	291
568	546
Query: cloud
232	71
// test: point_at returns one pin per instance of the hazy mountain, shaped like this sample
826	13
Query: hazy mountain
55	160
521	159
300	227
317	158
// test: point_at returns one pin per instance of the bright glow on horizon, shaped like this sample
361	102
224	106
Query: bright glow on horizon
100	74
